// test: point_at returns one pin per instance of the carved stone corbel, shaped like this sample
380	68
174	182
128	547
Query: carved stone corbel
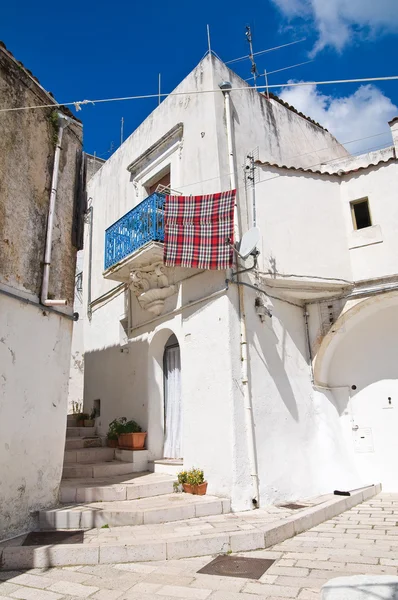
151	287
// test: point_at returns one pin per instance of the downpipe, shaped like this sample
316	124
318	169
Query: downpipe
63	121
247	400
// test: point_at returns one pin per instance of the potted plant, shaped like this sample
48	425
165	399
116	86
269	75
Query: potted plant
80	418
193	481
113	433
90	422
130	434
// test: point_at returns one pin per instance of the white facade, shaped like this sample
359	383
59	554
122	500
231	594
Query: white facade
303	441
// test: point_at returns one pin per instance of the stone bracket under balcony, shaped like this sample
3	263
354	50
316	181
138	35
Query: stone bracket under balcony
149	254
150	285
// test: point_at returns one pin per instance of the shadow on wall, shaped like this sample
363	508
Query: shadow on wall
119	379
264	341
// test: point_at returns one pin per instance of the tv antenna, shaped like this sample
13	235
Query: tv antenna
249	38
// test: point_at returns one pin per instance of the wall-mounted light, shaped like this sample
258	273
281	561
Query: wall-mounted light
261	309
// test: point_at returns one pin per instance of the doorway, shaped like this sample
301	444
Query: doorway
172	399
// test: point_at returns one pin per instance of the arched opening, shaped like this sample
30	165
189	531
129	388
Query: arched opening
172	399
362	357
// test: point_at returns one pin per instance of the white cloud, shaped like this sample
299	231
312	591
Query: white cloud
365	113
338	22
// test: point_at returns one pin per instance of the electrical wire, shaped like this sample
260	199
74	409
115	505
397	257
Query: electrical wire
78	103
279	70
228	62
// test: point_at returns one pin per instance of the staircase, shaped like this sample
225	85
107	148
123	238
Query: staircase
107	490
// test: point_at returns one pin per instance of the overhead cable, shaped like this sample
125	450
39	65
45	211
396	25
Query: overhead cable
193	92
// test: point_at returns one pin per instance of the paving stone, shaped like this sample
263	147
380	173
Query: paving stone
107	594
146	587
308	594
32	581
135	568
276	569
7	588
301	582
76	589
26	593
65	575
114	583
219	583
277	591
176	591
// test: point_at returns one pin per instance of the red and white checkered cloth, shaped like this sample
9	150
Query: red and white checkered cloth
197	229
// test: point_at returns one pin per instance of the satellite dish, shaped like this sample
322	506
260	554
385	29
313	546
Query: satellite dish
249	242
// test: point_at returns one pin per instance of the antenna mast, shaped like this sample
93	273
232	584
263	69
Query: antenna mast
251	55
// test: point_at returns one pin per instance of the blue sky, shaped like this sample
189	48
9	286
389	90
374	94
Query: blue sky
108	49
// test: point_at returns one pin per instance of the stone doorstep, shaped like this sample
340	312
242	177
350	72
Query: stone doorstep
15	556
88	455
77	443
101	469
80	432
138	486
146	511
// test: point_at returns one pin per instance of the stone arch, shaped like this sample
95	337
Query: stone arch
361	355
359	312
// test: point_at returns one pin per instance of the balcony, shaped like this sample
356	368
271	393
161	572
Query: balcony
135	239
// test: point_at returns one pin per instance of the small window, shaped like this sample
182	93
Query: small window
361	214
163	179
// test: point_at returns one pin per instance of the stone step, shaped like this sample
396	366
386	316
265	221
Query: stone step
170	466
71	421
73	443
203	536
120	487
89	455
105	469
144	511
80	432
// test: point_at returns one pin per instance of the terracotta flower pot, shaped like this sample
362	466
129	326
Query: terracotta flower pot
112	443
199	490
132	441
89	423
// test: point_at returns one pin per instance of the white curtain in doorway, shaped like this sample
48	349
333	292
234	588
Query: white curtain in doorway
173	412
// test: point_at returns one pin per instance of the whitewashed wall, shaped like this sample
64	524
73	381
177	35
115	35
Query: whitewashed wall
373	250
127	377
33	411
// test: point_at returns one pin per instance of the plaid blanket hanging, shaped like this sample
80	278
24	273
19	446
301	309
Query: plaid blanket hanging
197	229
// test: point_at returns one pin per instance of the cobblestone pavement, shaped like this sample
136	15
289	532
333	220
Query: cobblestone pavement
363	540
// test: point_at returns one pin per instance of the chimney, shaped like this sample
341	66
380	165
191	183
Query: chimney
394	132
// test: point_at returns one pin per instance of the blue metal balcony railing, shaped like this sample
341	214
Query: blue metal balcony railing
143	224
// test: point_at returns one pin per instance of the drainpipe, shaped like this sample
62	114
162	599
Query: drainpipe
89	220
308	339
63	121
226	86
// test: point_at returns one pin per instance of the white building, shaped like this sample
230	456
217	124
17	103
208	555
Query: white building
275	418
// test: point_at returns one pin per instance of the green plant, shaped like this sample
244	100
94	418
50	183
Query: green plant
93	413
192	477
82	416
182	477
121	425
106	526
195	476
